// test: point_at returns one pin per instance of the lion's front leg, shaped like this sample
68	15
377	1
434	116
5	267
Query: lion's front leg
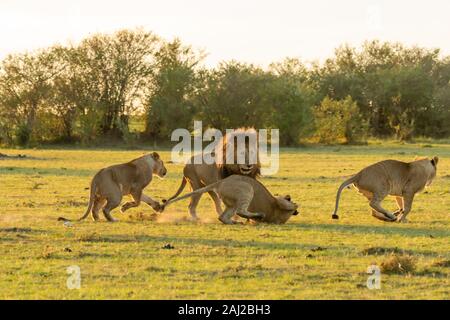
128	205
136	194
408	199
400	205
152	203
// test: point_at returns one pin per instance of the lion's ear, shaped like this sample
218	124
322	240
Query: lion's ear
285	204
435	161
155	155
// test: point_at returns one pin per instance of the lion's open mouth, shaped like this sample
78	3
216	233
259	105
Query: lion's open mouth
246	170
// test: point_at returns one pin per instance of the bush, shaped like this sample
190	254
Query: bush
23	135
338	121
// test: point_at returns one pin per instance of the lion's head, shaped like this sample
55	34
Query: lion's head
286	208
237	153
159	169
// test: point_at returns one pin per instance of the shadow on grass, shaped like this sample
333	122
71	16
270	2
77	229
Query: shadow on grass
390	229
17	230
203	241
229	243
45	171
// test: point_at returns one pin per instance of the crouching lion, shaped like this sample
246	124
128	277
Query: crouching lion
390	177
111	183
247	198
200	174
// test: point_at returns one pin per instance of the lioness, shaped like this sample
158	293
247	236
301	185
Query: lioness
200	174
390	177
111	183
247	198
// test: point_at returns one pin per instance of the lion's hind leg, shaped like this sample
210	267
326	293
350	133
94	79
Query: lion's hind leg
195	199
380	216
226	216
98	205
217	202
375	213
242	207
112	202
378	211
250	215
242	210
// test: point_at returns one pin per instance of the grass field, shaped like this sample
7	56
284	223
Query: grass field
310	257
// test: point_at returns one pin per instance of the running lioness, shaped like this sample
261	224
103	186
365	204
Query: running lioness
111	183
390	177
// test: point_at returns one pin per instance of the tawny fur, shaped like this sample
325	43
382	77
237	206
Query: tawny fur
391	177
110	184
247	198
202	174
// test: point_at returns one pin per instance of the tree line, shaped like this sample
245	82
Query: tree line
134	86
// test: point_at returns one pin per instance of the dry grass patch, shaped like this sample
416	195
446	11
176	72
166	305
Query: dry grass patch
398	264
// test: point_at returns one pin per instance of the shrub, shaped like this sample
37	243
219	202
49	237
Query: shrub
339	121
23	135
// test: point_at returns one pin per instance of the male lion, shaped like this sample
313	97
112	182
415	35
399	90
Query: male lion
111	183
391	177
247	198
200	174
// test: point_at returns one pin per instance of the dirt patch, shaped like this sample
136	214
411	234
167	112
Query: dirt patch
141	216
177	217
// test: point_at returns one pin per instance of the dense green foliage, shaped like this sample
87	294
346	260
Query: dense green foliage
95	89
339	120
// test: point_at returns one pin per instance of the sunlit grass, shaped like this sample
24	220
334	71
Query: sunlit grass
310	257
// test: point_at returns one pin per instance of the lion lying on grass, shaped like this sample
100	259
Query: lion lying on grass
390	177
111	183
247	198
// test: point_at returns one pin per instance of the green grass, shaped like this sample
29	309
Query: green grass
211	260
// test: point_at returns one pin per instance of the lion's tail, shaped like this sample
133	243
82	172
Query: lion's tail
180	189
344	185
90	205
188	195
